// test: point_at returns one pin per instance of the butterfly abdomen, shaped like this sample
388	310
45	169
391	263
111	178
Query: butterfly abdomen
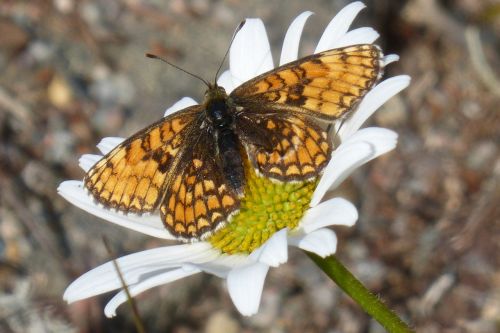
227	143
230	158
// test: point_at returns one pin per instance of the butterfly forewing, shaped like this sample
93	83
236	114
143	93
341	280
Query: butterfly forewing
132	177
325	85
199	198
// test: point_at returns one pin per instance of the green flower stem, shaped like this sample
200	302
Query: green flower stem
370	303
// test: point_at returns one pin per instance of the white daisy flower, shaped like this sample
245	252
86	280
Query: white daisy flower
250	56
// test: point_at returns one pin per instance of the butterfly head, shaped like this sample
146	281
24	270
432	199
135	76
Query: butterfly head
214	93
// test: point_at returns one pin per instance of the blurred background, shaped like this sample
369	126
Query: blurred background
428	236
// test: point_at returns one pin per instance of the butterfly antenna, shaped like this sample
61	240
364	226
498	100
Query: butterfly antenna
238	28
154	56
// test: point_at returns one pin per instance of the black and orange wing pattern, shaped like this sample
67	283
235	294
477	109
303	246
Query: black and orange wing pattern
295	149
284	106
174	164
133	176
198	200
326	85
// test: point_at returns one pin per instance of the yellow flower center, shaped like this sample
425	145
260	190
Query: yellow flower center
266	208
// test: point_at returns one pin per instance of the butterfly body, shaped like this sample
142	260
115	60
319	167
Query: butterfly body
220	119
189	165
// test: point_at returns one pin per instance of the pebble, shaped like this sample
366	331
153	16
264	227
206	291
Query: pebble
112	89
393	113
90	13
13	38
61	144
40	50
38	178
59	92
64	6
491	308
370	271
471	109
108	121
482	155
221	321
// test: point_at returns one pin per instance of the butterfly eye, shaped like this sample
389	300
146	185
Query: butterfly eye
221	91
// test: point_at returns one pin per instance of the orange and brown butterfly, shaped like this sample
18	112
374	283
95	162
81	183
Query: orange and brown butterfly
189	165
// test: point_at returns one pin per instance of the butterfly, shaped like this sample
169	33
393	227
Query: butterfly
189	165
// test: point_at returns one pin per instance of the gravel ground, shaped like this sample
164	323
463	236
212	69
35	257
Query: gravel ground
427	237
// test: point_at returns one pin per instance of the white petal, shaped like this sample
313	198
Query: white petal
245	287
223	264
274	251
371	102
363	35
250	53
344	160
154	281
74	192
226	81
108	144
390	58
183	103
336	211
323	242
291	42
87	161
363	146
339	25
382	139
138	266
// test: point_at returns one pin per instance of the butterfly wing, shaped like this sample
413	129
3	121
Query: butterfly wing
133	176
294	149
199	199
325	85
277	112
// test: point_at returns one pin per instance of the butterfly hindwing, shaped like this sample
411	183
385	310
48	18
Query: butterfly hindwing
132	176
295	149
198	198
325	85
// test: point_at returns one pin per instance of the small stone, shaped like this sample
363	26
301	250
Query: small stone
61	144
38	178
111	90
324	296
471	109
371	272
59	92
222	322
491	308
482	155
64	6
201	7
40	51
223	13
393	113
13	38
90	13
